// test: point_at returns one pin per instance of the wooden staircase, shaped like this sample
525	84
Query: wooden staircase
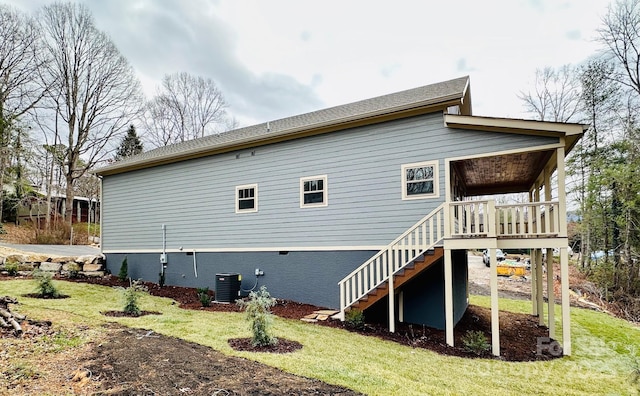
411	270
409	254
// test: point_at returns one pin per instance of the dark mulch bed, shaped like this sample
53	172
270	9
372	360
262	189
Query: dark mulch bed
282	346
519	333
122	314
36	295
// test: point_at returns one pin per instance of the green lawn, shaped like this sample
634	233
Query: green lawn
605	348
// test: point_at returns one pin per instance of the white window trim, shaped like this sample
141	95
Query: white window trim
325	191
255	198
436	180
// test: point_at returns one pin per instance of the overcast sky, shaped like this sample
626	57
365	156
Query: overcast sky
278	58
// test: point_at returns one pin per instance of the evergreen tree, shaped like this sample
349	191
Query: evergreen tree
130	144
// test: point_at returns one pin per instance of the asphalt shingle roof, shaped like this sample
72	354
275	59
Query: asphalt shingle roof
428	95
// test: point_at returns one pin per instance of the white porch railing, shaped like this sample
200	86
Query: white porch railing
422	236
485	219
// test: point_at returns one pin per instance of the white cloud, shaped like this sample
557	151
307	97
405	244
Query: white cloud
279	58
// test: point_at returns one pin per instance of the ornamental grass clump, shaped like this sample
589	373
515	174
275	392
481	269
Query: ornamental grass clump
258	313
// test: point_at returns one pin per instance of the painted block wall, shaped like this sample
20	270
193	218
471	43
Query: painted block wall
306	277
424	295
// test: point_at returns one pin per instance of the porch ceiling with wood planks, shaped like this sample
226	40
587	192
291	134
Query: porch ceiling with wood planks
509	173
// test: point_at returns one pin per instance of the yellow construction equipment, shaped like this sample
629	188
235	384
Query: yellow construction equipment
511	268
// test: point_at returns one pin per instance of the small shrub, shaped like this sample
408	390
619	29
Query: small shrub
45	287
258	313
354	319
204	297
124	270
132	295
475	342
12	268
2	230
73	270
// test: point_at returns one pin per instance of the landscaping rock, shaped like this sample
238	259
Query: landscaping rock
92	267
50	267
71	267
24	267
16	258
87	259
93	274
39	258
62	259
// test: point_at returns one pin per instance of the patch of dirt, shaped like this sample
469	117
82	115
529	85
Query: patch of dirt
144	363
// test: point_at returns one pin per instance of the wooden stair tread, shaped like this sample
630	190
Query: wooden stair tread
407	273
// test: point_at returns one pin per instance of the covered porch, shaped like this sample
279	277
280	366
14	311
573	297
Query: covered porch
474	222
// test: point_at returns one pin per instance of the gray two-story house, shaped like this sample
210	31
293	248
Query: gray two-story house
366	205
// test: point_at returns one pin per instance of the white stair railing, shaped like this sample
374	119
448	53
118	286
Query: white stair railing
422	236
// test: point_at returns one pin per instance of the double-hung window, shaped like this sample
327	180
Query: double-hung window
313	191
247	198
420	180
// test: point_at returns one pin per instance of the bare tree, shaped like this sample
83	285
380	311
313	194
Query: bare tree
556	95
620	35
185	107
94	92
19	90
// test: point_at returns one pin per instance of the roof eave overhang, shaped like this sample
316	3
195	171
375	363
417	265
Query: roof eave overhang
571	131
375	117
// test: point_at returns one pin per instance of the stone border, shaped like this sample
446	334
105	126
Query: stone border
87	265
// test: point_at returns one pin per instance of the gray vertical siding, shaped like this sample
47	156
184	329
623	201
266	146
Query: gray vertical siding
195	199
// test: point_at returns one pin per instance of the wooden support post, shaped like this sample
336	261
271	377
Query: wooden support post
539	287
564	254
495	313
534	283
343	299
566	319
448	296
562	195
392	300
551	303
401	306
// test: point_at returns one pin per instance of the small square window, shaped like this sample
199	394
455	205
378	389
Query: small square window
247	198
313	191
420	180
